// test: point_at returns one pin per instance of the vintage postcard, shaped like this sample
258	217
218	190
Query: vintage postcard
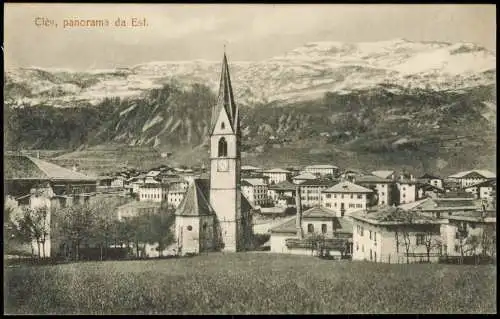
249	159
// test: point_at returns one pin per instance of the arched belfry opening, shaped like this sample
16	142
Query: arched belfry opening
222	147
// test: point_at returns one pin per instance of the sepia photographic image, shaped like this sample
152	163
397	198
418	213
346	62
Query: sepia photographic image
232	159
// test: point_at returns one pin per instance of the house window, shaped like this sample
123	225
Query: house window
404	195
328	205
342	214
362	248
335	204
205	224
375	236
222	147
357	246
352	196
360	196
382	202
323	228
370	235
328	195
375	256
342	196
457	248
310	228
189	228
371	255
420	239
334	195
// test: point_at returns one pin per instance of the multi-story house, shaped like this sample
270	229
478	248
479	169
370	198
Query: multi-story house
284	191
390	235
255	191
407	190
382	188
483	190
310	191
345	197
118	182
36	183
433	180
257	177
469	178
277	175
442	207
322	170
470	233
292	236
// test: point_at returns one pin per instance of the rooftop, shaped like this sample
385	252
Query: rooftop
385	215
318	182
276	170
483	173
305	175
284	186
249	168
442	204
27	167
288	227
321	166
252	182
372	179
347	187
319	212
382	173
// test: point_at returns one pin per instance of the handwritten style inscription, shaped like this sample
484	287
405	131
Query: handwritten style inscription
45	22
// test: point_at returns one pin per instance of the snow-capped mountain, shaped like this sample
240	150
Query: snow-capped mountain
303	73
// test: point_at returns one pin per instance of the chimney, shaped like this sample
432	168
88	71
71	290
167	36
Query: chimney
298	217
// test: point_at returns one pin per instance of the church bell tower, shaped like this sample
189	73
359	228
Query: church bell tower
225	193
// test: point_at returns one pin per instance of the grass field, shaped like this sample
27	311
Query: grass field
248	283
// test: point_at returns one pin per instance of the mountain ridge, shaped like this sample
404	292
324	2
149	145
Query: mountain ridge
299	74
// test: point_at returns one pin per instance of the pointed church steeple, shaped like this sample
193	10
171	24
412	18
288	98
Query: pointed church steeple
225	100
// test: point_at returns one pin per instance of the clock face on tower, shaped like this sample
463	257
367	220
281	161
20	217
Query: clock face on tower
222	165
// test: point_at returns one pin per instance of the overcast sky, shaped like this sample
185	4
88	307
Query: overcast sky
252	32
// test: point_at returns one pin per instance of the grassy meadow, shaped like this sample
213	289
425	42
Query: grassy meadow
248	283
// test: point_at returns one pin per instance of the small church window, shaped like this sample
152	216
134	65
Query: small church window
189	228
222	125
222	147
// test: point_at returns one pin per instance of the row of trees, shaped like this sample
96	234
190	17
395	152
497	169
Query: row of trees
88	225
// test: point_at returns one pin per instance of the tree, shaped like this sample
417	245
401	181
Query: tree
161	230
461	235
34	226
40	226
430	242
488	241
77	222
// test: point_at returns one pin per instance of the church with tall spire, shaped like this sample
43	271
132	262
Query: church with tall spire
215	214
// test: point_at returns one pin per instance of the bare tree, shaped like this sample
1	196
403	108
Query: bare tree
430	243
461	235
